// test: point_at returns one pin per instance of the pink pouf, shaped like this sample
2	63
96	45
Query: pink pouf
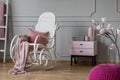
105	72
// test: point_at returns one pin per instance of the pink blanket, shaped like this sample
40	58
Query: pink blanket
20	55
2	11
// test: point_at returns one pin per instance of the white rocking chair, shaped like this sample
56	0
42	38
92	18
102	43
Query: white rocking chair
45	56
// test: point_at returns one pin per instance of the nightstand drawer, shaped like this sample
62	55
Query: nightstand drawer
82	44
87	52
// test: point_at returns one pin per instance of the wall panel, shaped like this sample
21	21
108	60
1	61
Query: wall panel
59	7
74	17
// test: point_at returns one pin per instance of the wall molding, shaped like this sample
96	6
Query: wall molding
118	6
27	26
68	11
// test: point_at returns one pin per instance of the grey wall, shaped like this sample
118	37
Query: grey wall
73	16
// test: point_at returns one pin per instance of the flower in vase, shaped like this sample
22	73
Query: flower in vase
98	27
102	31
107	31
103	20
118	32
109	27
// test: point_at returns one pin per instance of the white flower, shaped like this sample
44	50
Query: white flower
98	34
109	27
93	21
102	31
98	27
118	32
103	20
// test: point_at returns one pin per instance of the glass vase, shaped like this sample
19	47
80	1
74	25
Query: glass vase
113	53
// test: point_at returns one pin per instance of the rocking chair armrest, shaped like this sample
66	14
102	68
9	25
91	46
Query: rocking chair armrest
47	38
13	39
12	44
38	36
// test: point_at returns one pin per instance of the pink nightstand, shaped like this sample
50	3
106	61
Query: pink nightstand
83	49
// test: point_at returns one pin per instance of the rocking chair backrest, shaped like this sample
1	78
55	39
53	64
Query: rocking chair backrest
46	22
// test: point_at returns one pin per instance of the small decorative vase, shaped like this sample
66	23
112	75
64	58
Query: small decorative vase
90	33
113	53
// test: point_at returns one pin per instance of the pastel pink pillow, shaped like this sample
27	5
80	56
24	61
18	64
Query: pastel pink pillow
32	34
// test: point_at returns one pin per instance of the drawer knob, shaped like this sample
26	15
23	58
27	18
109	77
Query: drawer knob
81	51
81	44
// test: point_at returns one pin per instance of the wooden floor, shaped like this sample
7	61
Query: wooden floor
63	71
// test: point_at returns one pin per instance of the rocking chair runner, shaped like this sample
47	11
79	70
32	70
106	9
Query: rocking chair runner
43	55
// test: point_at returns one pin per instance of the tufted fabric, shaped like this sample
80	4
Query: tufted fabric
105	72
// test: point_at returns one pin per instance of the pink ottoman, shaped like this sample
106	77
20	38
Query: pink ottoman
105	72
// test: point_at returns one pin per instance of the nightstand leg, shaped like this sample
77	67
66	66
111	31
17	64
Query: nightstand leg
75	59
93	60
71	59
